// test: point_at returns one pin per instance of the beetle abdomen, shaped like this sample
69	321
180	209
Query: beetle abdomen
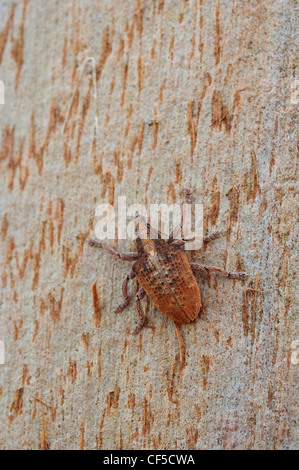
168	280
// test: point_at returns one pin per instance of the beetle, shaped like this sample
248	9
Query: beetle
164	273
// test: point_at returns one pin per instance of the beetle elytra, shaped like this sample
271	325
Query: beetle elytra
164	273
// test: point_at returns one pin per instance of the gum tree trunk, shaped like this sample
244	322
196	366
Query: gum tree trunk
196	95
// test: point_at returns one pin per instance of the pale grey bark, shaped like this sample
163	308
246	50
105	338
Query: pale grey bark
191	94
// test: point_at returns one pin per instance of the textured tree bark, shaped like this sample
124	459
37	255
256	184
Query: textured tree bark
190	94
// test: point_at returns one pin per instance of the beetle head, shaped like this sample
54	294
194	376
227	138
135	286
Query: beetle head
142	228
143	231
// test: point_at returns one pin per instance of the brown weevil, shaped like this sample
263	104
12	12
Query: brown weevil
164	273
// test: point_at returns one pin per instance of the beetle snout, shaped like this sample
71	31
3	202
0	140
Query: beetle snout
141	226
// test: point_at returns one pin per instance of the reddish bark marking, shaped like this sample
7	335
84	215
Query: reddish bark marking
17	50
17	404
220	115
106	51
5	31
96	305
44	441
217	49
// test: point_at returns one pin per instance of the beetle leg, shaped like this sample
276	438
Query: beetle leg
209	238
182	241
176	231
201	267
132	256
139	296
173	235
126	300
212	236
